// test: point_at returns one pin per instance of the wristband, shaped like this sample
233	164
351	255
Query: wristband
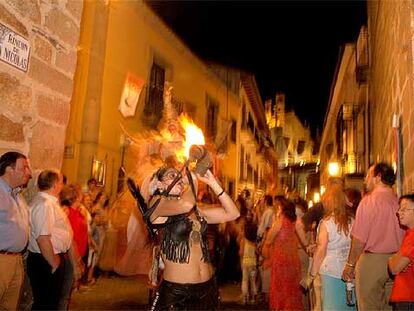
350	265
220	193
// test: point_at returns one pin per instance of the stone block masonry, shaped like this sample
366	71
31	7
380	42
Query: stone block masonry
35	105
391	33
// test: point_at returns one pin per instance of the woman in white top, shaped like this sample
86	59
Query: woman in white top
333	244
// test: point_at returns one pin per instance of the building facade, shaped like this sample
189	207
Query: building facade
128	56
344	149
370	113
294	148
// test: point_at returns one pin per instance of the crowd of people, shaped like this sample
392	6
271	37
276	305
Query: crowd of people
346	252
52	246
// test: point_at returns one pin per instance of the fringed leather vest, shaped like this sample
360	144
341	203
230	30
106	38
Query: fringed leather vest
175	242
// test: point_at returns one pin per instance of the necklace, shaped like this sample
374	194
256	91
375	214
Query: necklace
195	233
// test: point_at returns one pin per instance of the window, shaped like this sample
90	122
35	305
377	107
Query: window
242	163
256	177
155	98
250	174
250	123
243	116
211	121
233	131
300	147
340	134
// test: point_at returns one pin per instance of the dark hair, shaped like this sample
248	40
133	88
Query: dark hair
250	229
288	210
68	196
241	203
92	180
246	193
279	198
268	200
386	172
207	198
301	204
409	197
47	179
9	159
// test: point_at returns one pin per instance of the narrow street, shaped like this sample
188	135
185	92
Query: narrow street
131	293
264	141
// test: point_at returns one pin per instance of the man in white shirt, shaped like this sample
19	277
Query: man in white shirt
49	242
266	219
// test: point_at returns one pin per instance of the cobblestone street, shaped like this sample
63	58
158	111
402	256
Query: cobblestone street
131	293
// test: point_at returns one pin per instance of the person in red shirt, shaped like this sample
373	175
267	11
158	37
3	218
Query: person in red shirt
401	264
70	200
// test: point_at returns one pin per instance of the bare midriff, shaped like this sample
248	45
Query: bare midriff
195	271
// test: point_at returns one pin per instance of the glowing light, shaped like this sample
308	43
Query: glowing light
310	204
333	168
322	191
316	197
193	134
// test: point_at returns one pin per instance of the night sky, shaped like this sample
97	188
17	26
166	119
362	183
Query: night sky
290	46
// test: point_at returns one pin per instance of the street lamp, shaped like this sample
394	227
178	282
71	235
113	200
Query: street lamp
316	197
333	169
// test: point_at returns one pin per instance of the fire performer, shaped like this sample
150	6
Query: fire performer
188	282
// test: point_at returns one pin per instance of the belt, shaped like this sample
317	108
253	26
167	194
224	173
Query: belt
369	252
10	253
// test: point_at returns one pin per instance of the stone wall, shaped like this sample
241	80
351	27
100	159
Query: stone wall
35	105
390	25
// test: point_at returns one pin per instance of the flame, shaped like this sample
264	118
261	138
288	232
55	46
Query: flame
179	135
193	134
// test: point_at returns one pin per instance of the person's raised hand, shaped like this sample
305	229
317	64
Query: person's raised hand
208	178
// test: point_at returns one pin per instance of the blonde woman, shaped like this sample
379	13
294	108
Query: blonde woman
333	244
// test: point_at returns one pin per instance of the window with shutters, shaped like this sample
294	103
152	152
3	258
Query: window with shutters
155	95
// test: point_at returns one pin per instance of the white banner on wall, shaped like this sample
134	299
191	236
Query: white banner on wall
14	49
130	95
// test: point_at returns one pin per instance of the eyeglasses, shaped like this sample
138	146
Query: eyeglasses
403	210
